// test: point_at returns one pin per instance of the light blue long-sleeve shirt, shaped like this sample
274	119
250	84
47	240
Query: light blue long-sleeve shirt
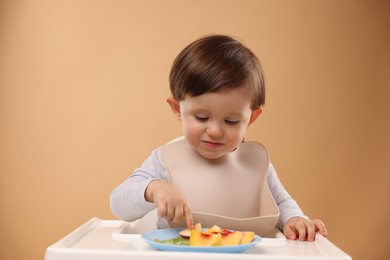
128	202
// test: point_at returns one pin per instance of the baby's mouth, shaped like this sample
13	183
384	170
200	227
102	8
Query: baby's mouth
212	144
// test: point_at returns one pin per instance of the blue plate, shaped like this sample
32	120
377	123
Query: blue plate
170	233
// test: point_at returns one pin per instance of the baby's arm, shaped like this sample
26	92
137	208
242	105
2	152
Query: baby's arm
146	189
292	221
127	200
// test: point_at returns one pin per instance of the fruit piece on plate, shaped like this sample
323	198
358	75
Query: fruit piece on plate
185	233
214	229
247	237
230	237
199	238
198	227
216	236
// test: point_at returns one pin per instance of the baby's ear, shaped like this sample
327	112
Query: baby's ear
175	106
255	114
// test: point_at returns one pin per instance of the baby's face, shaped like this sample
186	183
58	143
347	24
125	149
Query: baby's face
215	123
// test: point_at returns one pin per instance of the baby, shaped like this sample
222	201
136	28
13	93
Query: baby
217	91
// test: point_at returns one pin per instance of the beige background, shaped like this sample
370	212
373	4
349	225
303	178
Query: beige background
82	103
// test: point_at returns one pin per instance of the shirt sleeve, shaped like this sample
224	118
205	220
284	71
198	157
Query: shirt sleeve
288	207
127	200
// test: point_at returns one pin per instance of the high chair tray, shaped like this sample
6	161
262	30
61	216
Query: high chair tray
115	240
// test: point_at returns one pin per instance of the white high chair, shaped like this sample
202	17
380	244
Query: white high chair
144	224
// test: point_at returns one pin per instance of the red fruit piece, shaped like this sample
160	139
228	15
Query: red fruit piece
185	233
230	238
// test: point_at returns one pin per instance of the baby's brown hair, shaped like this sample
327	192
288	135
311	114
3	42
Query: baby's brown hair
216	63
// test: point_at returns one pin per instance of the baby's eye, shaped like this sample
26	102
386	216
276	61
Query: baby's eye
231	122
201	118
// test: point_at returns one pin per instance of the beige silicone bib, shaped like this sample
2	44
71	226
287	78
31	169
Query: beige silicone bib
231	191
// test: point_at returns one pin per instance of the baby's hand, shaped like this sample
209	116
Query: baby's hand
302	229
170	202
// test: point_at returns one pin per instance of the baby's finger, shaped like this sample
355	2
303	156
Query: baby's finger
311	231
170	213
188	216
320	227
301	229
290	233
162	210
179	214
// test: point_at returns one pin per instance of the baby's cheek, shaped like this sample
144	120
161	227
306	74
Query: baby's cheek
191	137
192	132
237	136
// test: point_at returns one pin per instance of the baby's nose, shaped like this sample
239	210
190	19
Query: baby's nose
215	131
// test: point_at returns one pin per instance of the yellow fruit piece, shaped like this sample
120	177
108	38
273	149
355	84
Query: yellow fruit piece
199	238
198	227
230	238
247	237
214	229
